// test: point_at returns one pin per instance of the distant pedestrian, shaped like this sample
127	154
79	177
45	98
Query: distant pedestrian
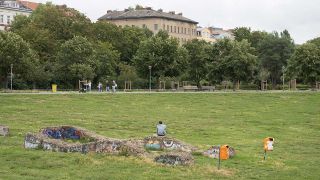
161	129
114	86
89	86
107	86
100	87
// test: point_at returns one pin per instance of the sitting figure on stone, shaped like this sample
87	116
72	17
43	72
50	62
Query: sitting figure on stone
161	129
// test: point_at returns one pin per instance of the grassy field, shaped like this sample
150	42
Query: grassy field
241	120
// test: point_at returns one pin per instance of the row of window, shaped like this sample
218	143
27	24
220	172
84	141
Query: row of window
173	29
2	20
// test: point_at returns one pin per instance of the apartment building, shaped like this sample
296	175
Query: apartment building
176	25
11	8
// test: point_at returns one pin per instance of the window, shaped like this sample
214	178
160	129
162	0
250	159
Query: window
156	27
171	28
8	19
164	27
1	19
132	26
168	28
178	30
185	30
188	30
175	29
144	26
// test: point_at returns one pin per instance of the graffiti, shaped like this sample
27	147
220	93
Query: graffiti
170	144
63	133
212	152
56	139
153	145
174	159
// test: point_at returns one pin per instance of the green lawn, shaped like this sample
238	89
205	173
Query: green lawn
241	120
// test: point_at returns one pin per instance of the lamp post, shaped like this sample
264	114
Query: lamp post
149	78
283	71
11	76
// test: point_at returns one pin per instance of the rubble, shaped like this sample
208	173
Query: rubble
4	130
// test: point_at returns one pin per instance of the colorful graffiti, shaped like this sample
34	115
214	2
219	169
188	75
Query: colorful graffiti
63	133
153	145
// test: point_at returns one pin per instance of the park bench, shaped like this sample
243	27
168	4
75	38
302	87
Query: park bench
190	88
208	88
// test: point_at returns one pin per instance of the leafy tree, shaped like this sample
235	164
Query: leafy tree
75	61
125	40
199	56
241	33
107	60
315	41
163	54
305	63
14	50
274	51
233	61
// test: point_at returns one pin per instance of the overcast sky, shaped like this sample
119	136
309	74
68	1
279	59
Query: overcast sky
300	17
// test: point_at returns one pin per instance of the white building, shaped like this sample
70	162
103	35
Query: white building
11	8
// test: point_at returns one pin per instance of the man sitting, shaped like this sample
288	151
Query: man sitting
161	129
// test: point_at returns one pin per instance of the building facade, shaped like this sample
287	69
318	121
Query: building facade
10	9
176	25
205	35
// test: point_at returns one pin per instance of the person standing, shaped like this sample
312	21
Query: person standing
114	86
161	129
89	86
107	86
100	87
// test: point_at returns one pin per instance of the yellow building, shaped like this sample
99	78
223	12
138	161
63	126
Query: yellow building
205	34
176	25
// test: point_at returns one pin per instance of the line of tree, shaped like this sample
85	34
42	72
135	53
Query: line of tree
56	44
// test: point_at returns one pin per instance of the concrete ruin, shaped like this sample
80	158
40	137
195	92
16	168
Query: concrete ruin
74	139
4	130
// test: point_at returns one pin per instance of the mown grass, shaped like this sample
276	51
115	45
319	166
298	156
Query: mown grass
241	120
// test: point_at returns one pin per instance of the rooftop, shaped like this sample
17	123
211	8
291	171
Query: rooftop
145	13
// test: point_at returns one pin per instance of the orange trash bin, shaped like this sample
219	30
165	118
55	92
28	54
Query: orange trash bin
224	152
268	143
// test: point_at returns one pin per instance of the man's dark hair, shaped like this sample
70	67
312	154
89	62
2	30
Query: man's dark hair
160	122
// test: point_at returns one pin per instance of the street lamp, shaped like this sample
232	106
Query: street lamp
11	75
149	78
283	74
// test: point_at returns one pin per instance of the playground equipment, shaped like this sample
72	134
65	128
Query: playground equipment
293	84
162	85
264	85
83	86
127	86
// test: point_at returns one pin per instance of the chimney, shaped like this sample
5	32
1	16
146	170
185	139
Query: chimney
160	10
180	14
109	11
172	12
148	8
126	10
